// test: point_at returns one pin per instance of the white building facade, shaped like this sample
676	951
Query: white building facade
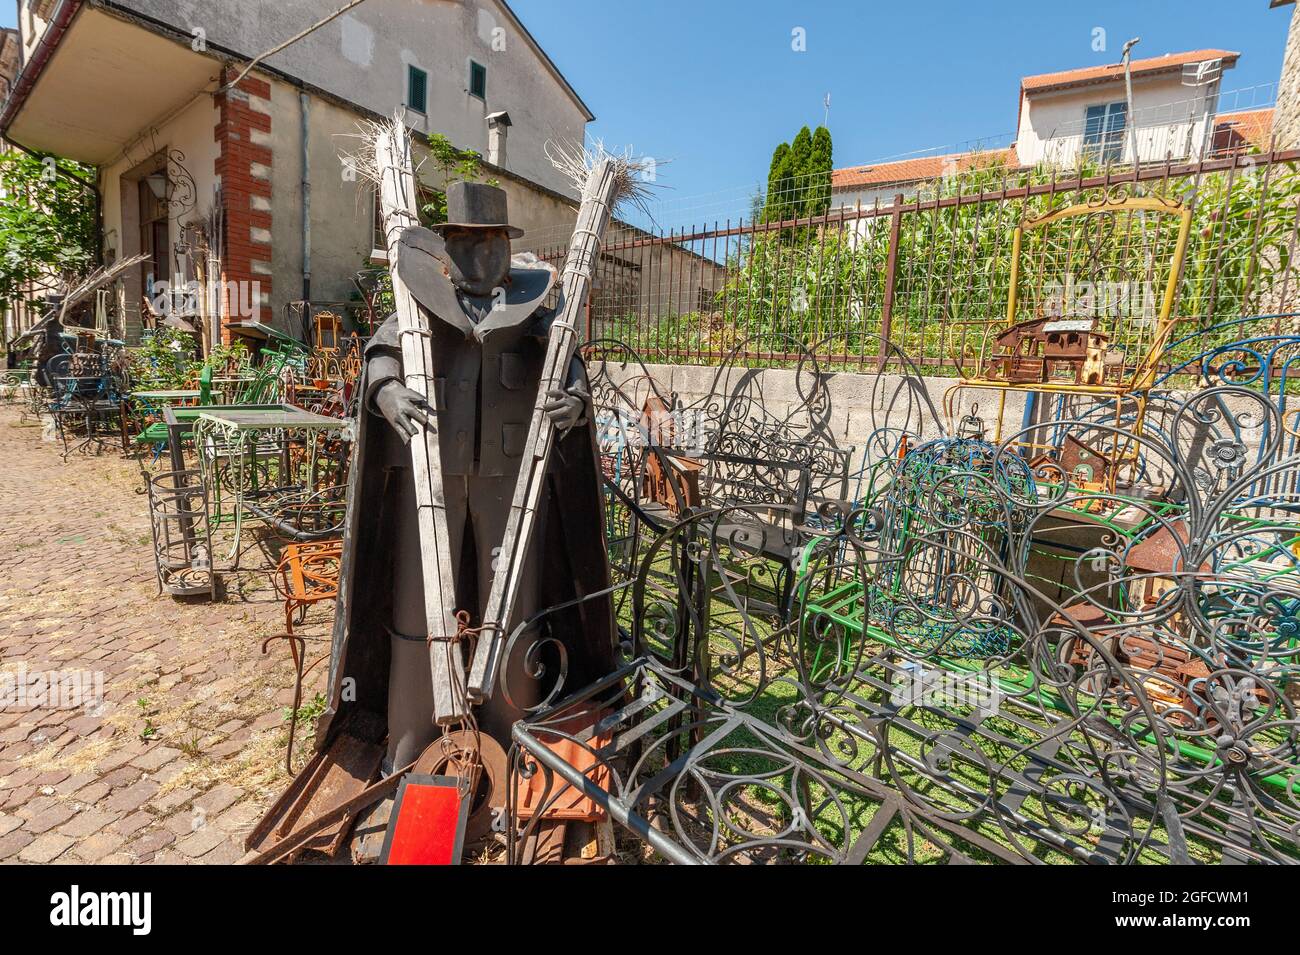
1082	119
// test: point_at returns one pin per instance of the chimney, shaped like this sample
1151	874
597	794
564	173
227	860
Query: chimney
498	127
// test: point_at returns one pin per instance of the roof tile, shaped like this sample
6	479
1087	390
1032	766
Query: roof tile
919	168
1244	128
1113	71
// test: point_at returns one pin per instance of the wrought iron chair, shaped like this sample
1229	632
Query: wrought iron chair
1141	711
310	527
147	424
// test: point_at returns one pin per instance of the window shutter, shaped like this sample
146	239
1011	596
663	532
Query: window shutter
417	84
477	80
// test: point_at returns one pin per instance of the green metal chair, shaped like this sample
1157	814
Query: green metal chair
155	435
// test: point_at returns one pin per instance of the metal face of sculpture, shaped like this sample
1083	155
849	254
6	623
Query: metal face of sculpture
488	333
479	260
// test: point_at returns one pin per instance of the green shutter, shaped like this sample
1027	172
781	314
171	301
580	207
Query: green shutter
477	80
417	83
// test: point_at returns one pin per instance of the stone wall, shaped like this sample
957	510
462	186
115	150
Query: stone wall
1286	115
859	404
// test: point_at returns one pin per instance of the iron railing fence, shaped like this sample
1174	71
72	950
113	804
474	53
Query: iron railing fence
928	272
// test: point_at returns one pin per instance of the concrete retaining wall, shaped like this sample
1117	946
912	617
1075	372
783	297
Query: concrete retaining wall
860	404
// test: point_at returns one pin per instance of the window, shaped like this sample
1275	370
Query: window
417	89
1103	132
477	80
378	241
425	197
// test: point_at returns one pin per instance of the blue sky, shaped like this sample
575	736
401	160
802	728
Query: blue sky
713	85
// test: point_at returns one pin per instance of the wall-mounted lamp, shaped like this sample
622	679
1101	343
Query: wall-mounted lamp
157	183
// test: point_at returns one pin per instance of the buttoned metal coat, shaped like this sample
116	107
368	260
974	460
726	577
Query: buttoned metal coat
485	387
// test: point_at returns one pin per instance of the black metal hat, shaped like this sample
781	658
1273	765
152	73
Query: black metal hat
422	266
475	205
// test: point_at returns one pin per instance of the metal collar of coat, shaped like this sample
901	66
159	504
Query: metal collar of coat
422	267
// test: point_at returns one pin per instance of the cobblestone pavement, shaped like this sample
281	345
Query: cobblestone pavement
186	749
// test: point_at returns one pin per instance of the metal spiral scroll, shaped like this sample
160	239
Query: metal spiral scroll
993	663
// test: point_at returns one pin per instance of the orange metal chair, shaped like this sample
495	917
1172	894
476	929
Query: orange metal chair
308	573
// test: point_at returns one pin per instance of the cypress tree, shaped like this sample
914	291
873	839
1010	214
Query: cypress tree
780	182
817	191
799	177
801	158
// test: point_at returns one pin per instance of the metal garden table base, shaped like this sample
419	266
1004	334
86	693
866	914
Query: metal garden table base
178	513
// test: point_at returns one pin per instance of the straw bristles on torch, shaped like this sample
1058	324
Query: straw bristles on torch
576	163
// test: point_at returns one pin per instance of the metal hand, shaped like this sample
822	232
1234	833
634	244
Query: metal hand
404	409
566	408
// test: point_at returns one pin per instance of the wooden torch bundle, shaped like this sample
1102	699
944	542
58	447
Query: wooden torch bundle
604	180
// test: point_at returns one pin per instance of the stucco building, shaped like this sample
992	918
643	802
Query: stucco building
1081	116
193	147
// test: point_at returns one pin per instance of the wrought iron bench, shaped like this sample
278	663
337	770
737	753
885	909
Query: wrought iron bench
766	502
980	721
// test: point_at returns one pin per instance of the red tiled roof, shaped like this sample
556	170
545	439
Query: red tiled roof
1115	71
922	167
1243	129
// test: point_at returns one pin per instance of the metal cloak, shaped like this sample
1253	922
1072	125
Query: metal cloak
576	644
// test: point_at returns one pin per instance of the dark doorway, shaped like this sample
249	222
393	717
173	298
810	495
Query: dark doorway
154	233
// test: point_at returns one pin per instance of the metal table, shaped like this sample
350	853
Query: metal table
166	394
246	453
180	426
180	422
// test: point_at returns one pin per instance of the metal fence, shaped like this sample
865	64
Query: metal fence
921	272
